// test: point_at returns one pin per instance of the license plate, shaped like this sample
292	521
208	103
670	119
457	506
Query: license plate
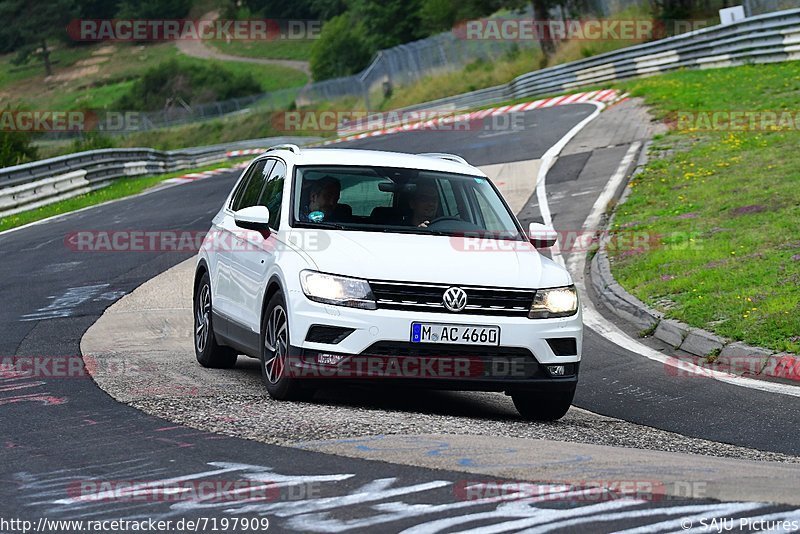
455	334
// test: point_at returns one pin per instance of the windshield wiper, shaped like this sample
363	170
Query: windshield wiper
323	224
415	231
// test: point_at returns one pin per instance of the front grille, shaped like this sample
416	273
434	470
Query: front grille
428	297
484	362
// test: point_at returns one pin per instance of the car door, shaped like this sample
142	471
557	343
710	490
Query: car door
229	239
251	265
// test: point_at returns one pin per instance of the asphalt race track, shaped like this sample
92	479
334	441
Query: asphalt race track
60	432
614	381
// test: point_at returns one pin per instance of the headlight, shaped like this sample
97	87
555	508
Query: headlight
337	290
556	302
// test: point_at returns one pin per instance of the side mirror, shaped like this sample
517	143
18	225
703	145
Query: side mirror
542	235
253	218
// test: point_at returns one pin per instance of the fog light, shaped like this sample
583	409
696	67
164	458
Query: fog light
557	370
329	359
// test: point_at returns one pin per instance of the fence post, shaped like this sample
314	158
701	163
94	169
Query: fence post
365	89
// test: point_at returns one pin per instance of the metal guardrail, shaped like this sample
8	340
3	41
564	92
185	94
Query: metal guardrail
31	185
769	38
773	37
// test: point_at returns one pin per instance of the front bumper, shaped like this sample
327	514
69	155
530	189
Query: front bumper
379	347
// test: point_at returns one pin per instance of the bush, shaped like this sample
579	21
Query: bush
16	147
341	49
92	141
193	84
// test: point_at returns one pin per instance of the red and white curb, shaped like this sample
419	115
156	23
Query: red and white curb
195	176
246	152
607	96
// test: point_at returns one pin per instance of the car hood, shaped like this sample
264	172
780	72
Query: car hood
435	259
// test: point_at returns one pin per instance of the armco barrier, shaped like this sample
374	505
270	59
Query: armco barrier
766	38
31	185
769	38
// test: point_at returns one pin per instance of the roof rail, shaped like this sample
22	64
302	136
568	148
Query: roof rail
443	155
286	146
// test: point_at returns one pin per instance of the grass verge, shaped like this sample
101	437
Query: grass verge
722	208
95	76
297	49
121	188
253	125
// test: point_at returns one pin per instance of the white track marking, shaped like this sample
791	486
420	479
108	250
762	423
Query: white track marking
593	319
592	222
548	159
581	193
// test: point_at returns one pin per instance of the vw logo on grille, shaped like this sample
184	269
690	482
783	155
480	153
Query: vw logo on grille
455	299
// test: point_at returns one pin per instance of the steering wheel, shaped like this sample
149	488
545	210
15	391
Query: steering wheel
444	218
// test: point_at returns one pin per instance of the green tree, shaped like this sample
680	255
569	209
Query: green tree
30	26
154	9
297	9
438	15
388	23
341	49
441	15
98	9
541	11
327	9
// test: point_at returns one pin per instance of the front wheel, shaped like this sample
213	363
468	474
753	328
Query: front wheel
541	406
209	353
275	351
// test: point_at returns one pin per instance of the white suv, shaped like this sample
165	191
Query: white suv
360	265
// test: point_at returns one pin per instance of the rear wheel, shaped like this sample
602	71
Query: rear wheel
275	351
209	353
541	406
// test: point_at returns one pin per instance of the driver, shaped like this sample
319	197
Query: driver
424	204
322	199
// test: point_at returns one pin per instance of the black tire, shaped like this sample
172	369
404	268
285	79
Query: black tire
209	353
275	347
541	406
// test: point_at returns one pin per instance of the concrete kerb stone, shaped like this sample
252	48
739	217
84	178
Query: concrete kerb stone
782	365
695	341
671	332
738	355
615	298
702	343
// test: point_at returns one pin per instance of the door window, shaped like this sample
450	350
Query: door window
272	195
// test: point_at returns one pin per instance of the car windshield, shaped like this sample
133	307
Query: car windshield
400	201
